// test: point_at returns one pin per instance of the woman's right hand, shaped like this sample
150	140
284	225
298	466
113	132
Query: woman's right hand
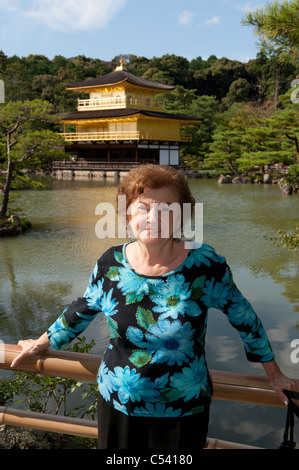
30	347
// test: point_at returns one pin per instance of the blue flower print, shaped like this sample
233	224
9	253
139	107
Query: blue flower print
120	257
82	321
113	328
131	386
202	255
119	407
216	294
108	305
136	336
134	286
198	409
192	381
60	333
257	344
240	311
93	295
159	409
94	274
173	298
104	381
170	342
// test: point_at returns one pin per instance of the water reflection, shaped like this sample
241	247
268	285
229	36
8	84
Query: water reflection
43	271
240	222
258	426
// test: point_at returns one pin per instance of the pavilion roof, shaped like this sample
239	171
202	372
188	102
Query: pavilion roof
115	113
117	77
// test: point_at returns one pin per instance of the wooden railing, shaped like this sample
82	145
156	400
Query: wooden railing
122	136
47	422
102	103
118	102
100	136
94	166
83	367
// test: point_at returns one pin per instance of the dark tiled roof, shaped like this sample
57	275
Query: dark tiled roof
110	113
119	76
171	116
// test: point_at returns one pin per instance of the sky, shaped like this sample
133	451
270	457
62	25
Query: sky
104	29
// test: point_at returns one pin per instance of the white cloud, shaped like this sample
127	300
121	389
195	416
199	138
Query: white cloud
9	5
212	21
224	349
246	7
66	15
186	17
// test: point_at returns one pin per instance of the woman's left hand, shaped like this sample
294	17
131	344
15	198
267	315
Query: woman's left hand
278	380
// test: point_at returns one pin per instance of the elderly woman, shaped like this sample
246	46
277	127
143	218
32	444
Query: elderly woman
155	291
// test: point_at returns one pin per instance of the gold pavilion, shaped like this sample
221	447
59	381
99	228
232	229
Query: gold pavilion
121	124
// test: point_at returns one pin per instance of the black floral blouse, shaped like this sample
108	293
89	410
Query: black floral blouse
155	364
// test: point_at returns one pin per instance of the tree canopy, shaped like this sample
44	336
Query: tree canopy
277	27
25	138
249	117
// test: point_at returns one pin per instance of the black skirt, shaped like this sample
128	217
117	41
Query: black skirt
119	431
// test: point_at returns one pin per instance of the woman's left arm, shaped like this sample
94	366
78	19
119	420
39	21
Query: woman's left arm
278	380
228	298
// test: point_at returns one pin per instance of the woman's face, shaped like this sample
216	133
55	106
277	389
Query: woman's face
155	215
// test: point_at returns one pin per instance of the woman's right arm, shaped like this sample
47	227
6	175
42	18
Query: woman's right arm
73	321
31	347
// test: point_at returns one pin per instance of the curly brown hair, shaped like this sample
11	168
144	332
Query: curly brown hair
154	177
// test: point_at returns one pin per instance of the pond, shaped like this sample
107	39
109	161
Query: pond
43	271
